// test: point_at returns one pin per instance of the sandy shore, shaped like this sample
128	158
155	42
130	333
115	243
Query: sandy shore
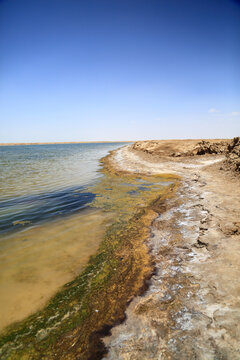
191	309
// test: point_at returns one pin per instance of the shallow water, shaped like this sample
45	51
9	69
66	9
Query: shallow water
34	263
47	230
41	182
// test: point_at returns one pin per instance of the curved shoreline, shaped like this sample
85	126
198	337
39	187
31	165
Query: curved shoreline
180	253
76	318
190	309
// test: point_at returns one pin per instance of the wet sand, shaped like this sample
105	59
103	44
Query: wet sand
191	309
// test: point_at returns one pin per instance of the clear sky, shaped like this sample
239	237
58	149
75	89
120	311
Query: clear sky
74	70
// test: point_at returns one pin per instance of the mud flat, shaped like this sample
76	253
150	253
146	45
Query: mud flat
191	309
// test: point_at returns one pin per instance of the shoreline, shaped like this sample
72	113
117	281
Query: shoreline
191	308
100	142
72	324
172	294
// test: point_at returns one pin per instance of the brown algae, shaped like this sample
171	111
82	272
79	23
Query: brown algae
71	325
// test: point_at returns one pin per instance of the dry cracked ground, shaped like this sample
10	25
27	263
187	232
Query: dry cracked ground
191	309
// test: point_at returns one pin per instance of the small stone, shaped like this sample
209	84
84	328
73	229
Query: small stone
230	228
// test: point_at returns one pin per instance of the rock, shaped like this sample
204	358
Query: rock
206	147
233	154
195	178
177	154
230	228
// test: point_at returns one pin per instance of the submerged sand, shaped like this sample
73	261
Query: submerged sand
192	307
37	262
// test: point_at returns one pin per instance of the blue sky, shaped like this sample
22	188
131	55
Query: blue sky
73	70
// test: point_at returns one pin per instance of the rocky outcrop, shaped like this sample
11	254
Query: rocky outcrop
150	147
206	147
180	148
168	149
233	154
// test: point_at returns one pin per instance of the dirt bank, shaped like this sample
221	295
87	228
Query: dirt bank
192	307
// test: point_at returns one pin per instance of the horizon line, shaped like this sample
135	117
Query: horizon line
101	142
62	142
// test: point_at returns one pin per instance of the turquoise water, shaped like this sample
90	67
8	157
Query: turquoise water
41	182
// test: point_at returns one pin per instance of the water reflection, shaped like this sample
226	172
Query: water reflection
28	210
35	169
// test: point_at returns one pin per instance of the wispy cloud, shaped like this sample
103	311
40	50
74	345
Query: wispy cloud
213	110
219	113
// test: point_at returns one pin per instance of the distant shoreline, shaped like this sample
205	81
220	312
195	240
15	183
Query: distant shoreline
107	142
63	142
